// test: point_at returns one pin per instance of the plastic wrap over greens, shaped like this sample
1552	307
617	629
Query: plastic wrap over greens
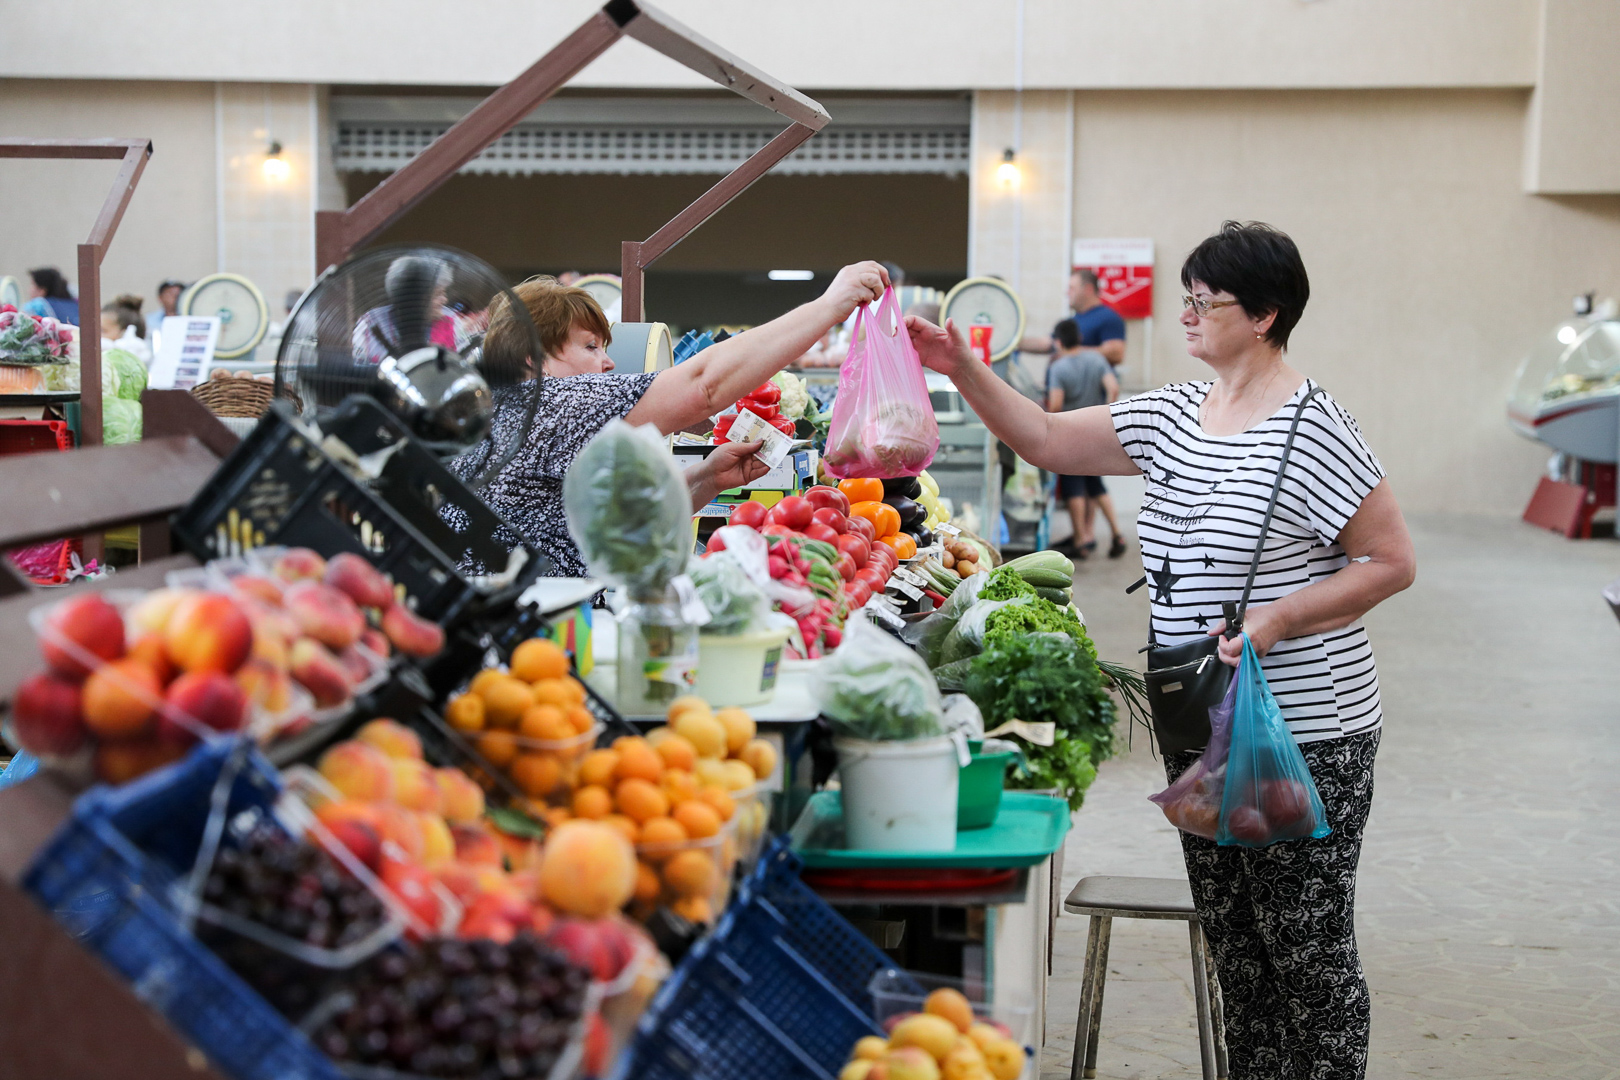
736	605
629	511
967	636
929	635
877	689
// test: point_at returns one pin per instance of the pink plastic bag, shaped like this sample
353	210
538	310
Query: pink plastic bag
882	421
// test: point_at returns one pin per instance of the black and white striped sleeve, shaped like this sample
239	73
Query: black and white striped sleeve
1341	468
1139	422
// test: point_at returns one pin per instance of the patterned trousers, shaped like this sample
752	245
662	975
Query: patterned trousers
1281	927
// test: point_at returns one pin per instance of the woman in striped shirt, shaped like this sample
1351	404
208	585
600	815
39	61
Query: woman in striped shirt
1280	919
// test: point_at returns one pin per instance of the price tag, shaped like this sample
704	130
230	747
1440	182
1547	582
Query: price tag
900	585
1041	734
908	576
948	529
750	427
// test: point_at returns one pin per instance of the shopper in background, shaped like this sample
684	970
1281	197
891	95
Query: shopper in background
1280	919
580	394
1099	325
376	335
168	294
1079	378
123	328
50	298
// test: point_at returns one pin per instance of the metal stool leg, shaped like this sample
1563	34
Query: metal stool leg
1206	1040
1097	999
1089	983
1216	1009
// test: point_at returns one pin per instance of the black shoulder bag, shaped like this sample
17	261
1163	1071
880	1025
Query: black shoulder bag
1185	681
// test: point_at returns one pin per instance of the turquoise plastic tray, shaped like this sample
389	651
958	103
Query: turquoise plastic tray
1029	828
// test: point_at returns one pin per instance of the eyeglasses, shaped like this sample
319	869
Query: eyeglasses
1204	306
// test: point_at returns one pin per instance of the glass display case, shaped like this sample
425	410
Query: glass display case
1567	392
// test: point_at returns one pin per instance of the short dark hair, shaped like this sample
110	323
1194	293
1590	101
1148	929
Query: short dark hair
1067	334
1260	266
1089	277
51	281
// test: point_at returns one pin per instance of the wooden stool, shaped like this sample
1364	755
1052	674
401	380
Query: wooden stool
1108	898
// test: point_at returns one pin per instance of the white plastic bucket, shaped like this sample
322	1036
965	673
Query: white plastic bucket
739	670
899	796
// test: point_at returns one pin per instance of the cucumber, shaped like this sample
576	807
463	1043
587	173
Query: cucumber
1060	597
1046	579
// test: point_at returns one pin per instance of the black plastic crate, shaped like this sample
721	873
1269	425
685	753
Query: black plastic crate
280	487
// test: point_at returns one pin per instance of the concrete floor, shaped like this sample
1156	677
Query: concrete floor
1489	897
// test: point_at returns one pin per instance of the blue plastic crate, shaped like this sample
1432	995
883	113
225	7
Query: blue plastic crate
779	989
106	877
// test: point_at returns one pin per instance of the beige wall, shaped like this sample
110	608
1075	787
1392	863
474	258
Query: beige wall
1572	138
1432	272
269	233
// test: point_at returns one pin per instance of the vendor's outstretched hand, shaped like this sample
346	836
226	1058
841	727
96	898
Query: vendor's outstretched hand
729	465
941	348
856	284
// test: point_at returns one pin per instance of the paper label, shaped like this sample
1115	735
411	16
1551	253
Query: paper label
947	529
908	576
900	585
1043	734
750	427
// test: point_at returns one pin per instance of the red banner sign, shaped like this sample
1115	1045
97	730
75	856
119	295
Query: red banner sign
1124	270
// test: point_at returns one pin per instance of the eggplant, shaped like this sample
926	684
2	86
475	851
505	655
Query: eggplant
904	487
910	513
924	537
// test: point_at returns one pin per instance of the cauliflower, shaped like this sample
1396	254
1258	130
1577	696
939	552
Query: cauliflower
795	398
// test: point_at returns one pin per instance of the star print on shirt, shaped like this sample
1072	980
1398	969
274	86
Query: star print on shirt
1209	563
1163	582
1202	620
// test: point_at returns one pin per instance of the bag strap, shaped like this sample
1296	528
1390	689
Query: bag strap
1235	612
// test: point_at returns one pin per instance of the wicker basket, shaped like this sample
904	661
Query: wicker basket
235	395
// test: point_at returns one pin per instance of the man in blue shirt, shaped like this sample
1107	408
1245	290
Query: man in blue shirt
1100	326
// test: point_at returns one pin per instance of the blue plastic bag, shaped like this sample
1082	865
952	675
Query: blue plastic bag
1251	786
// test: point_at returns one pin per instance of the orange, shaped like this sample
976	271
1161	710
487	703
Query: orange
598	766
537	774
698	818
739	727
505	700
498	747
648	887
639	761
723	803
641	800
862	489
546	723
691	873
677	752
538	659
465	712
631	830
680	786
580	719
662	830
554	692
592	801
693	909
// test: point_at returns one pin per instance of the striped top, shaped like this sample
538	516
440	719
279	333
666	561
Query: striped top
1201	515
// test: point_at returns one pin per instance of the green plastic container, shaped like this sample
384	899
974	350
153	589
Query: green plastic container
978	793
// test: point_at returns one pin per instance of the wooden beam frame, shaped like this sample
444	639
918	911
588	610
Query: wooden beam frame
338	233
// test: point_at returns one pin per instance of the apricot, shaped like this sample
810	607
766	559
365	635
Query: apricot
555	815
721	800
391	737
505	701
319	672
465	712
661	832
934	1034
648	886
677	752
208	632
554	692
638	761
983	1034
537	774
545	723
641	799
679	785
483	679
597	767
907	1063
626	825
698	818
658	735
965	1061
358	771
739	727
438	845
415	786
703	731
711	772
861	1068
461	800
738	776
691	873
869	1048
499	748
79	633
538	659
589	869
356	578
953	1005
694	909
580	719
592	801
121	699
684	704
1004	1057
410	633
46	712
760	755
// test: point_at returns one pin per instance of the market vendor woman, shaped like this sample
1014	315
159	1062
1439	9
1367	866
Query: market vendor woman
580	394
1279	919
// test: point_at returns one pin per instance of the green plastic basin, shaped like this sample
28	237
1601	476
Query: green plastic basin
978	793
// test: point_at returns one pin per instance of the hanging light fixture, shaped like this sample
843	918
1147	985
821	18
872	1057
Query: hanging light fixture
1008	174
275	166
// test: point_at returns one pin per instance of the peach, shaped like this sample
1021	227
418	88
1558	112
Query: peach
208	632
325	614
461	879
589	869
121	699
413	887
257	587
273	632
415	787
265	685
438	845
150	614
953	1005
206	699
314	666
402	829
297	564
80	632
357	667
358	771
376	641
603	946
522	855
339	810
391	737
476	846
910	1063
120	762
150	650
935	1035
359	839
362	582
410	633
46	713
461	800
738	776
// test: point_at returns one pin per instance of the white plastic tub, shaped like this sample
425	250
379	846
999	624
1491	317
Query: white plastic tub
899	796
739	670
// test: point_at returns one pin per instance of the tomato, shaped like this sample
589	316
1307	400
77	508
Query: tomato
715	543
777	529
767	394
831	518
859	592
883	555
794	511
785	426
764	412
750	513
828	498
862	489
817	531
875	579
859	526
856	547
846	567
